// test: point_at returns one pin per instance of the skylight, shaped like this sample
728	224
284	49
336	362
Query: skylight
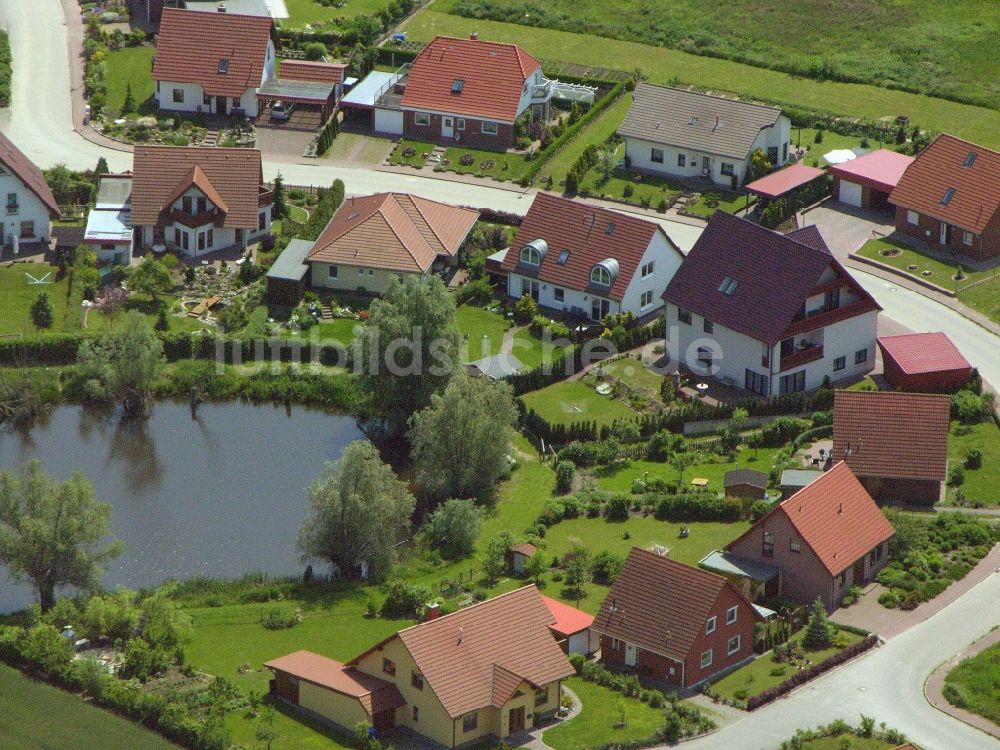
948	195
223	66
728	285
693	121
563	257
970	159
609	228
457	86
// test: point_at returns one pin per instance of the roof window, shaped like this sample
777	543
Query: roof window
728	285
610	228
457	85
970	159
948	195
693	121
563	257
223	66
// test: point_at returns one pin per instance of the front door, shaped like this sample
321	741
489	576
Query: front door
447	127
706	165
516	721
858	574
945	233
599	308
220	105
529	287
630	654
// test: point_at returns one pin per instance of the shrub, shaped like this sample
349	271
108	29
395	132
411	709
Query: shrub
278	618
605	567
617	508
404	599
565	473
315	51
956	475
478	292
974	459
525	309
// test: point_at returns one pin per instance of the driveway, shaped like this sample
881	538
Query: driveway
846	228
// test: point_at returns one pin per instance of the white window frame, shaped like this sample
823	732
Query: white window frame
333	272
682	160
174	96
731	614
646	299
489	128
794	545
647	269
966	238
423	119
710	624
730	649
656	155
861	356
361	272
460	123
558	294
912	217
534	258
600	275
727	169
839	363
707	662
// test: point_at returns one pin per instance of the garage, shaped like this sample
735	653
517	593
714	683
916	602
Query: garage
850	193
866	182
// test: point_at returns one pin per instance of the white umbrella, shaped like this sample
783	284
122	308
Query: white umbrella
840	155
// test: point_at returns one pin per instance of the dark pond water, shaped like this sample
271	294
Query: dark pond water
218	495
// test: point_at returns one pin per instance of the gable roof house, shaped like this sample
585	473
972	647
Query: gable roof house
463	91
772	313
575	257
822	540
896	443
674	623
30	203
689	134
212	62
489	670
196	200
949	197
375	238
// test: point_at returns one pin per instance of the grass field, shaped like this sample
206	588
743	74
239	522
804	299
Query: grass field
131	65
941	48
857	743
532	351
575	401
594	727
619	478
475	324
980	484
359	148
634	374
598	131
662	65
975	684
36	716
302	12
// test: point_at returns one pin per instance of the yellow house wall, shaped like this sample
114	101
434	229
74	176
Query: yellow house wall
337	707
348	278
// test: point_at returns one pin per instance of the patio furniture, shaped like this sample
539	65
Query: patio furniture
702	387
699	482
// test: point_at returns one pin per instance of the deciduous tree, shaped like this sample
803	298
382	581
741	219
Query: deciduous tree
122	365
453	528
150	277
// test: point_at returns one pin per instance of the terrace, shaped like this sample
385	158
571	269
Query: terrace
390	94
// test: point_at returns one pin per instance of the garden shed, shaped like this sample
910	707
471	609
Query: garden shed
745	483
286	279
924	363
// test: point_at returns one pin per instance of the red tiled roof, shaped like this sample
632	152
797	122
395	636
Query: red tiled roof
583	230
309	70
492	75
889	434
471	658
882	168
569	620
784	180
923	352
25	170
940	168
836	517
774	273
191	45
525	549
661	605
394	231
375	695
231	176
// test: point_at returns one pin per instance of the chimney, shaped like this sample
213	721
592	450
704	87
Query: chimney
840	510
221	7
474	35
432	612
461	633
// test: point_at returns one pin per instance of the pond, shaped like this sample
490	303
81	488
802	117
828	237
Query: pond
217	495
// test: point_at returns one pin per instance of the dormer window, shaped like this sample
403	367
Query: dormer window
533	252
604	273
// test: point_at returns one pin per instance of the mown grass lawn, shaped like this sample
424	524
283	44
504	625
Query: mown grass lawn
498	165
533	351
302	12
131	65
359	148
567	402
663	66
857	743
295	731
728	202
482	331
634	374
597	132
34	716
980	484
619	478
648	191
397	157
806	138
594	727
975	684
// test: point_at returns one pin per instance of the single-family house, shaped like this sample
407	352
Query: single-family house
949	198
372	239
31	206
519	555
487	671
212	62
923	363
896	443
109	224
673	623
193	201
773	313
684	133
591	261
747	484
572	628
822	540
463	92
868	181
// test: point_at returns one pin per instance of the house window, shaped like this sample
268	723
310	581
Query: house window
710	625
600	275
460	123
792	383
12	203
361	272
733	645
470	722
201	240
371	271
684	316
530	255
210	237
261	221
202	204
754	381
794	545
416	714
646	299
389	666
332	272
727	169
704	357
417	680
615	644
559	293
421	118
731	615
646	270
772	154
871	557
706	659
784	151
839	364
656	155
767	548
490	128
966	238
185	240
878	552
206	100
177	236
860	356
178	96
682	160
541	696
707	326
27	229
912	217
842	579
186	204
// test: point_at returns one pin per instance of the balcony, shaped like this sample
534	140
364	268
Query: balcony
823	317
801	357
265	197
194	220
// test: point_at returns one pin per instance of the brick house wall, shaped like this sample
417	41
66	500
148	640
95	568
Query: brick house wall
472	136
283	687
928	230
915	491
647	663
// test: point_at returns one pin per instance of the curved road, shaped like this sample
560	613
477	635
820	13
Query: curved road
886	683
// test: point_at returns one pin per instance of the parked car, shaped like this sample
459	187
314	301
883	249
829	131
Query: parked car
282	111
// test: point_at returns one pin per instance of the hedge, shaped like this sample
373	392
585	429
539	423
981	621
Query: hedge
816	433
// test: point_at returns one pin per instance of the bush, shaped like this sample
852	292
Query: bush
404	599
565	473
605	567
278	618
478	292
315	51
956	475
618	508
974	459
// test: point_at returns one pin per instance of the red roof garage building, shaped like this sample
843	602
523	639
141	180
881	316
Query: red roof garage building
924	363
867	181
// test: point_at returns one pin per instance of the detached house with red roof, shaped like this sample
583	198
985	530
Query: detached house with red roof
578	258
212	62
490	670
673	623
949	197
822	540
772	313
30	203
464	91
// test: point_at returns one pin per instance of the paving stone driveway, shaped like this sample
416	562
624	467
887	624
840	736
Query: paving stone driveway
846	228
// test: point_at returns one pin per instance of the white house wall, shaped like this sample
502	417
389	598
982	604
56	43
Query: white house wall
29	208
666	261
353	278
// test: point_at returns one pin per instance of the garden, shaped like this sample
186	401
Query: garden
974	458
411	153
975	684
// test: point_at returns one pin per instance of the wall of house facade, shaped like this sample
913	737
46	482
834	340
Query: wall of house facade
388	121
470	135
29	209
647	663
351	278
195	100
928	230
343	710
572	298
736	351
909	491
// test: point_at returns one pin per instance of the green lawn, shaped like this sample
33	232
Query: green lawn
663	65
594	727
360	148
295	731
763	672
619	478
475	324
416	160
598	131
339	329
498	165
728	202
646	190
975	684
857	743
131	65
533	351
806	138
575	401
297	213
980	484
302	12
36	716
634	374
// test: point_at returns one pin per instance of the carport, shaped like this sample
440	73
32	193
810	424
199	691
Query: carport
360	102
867	181
784	181
314	100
